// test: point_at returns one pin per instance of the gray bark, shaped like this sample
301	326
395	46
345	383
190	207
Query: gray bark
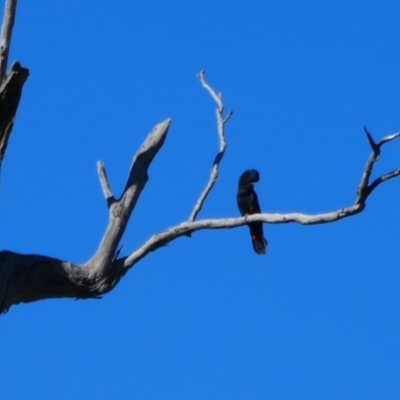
10	95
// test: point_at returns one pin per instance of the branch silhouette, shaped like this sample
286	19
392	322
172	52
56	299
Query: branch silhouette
28	278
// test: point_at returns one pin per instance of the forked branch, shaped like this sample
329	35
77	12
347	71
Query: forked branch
52	278
187	228
364	188
27	278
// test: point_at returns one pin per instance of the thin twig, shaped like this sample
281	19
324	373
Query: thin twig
222	146
101	171
389	138
6	33
382	179
217	98
375	148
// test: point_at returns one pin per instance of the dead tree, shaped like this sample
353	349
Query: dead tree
27	278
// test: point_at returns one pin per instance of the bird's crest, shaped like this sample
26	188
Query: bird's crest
249	177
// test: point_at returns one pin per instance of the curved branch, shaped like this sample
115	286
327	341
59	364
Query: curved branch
187	228
382	179
221	121
27	278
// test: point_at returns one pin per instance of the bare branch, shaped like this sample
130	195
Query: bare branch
31	277
217	98
6	33
382	179
222	146
364	190
27	278
389	138
374	146
227	117
11	84
187	228
101	171
10	94
120	210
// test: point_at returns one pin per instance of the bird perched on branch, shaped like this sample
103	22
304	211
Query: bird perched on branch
247	202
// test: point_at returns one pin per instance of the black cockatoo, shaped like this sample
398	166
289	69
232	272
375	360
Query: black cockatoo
247	202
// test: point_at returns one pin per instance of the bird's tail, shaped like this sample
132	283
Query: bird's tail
257	238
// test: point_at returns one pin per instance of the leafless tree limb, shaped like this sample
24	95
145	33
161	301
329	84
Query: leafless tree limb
10	94
221	121
121	209
6	33
389	138
27	278
364	189
101	171
382	179
10	85
187	228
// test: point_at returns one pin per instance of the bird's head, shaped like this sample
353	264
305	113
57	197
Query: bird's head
249	177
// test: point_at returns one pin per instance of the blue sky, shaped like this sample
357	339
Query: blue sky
205	318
